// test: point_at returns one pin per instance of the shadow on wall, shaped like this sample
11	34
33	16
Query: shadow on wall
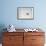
2	26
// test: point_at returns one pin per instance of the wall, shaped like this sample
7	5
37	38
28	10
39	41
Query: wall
9	13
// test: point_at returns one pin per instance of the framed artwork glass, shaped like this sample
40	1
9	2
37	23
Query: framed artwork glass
25	13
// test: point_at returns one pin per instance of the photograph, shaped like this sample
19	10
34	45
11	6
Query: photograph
25	13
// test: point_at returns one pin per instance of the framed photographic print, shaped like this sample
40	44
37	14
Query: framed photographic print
25	13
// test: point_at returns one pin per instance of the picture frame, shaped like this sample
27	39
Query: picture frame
25	13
